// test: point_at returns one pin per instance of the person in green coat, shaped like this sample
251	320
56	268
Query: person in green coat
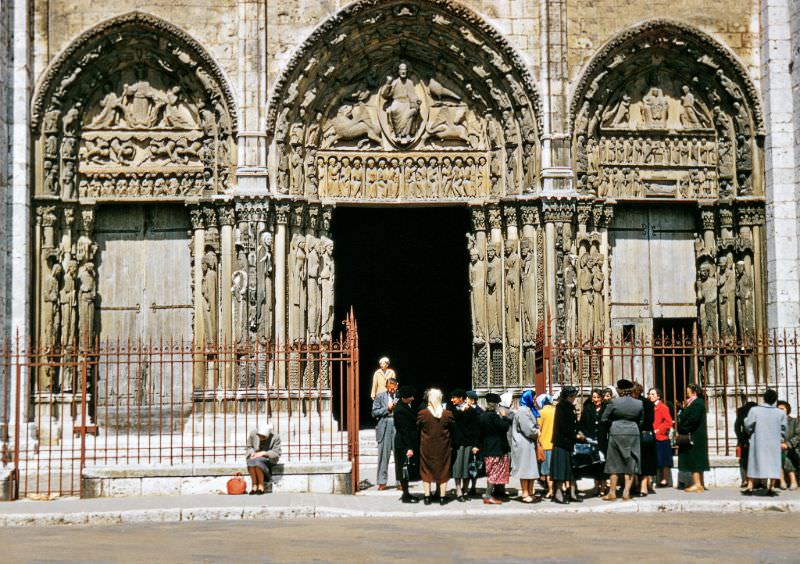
692	421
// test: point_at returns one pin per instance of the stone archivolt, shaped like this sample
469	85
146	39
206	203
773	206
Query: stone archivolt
663	111
410	109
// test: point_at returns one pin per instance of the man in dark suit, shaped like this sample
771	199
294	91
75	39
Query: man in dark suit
406	442
383	410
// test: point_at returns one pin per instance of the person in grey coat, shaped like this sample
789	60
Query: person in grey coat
623	416
522	438
766	425
383	410
263	452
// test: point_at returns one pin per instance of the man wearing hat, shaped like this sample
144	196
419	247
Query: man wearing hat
263	452
383	410
466	435
406	442
625	416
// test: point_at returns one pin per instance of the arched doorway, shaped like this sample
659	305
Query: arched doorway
419	104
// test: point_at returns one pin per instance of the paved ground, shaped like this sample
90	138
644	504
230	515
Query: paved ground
692	537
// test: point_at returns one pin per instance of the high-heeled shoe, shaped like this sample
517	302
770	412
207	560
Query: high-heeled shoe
442	500
427	500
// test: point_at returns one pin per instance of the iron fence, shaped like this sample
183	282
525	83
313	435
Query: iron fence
171	402
731	370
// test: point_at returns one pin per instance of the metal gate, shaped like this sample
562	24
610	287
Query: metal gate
308	392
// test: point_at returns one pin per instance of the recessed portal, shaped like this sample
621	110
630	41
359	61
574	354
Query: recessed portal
405	273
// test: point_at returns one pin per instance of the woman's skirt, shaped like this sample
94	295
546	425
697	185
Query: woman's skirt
561	465
498	469
664	453
624	454
544	468
649	463
262	464
461	464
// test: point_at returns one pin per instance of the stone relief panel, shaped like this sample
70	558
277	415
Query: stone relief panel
453	116
145	115
665	114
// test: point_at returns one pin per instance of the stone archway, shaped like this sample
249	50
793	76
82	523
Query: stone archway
666	123
133	110
414	102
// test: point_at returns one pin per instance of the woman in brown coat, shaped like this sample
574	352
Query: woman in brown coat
434	424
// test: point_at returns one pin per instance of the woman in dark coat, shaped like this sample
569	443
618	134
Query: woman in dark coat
592	428
406	442
649	457
742	438
435	426
565	434
466	437
495	422
692	421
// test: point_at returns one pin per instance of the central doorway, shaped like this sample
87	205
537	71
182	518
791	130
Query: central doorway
405	272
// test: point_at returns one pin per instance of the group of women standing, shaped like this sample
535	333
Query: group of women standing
622	433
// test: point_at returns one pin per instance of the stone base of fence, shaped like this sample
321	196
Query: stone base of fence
128	481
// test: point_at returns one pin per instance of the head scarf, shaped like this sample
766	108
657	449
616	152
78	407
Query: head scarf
506	399
264	429
527	399
435	402
543	399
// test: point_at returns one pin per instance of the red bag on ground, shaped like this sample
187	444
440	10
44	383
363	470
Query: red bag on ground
236	485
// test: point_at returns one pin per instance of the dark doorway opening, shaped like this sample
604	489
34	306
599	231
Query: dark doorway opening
404	271
672	346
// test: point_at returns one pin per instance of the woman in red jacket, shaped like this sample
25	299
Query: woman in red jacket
662	423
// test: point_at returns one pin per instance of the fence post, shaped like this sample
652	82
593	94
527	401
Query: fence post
84	387
13	482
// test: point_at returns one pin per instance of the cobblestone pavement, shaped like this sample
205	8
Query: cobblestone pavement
687	537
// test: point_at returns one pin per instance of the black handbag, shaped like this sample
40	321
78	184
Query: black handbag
683	441
586	454
648	437
475	468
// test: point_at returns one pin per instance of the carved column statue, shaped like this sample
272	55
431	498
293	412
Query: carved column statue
327	277
726	281
313	265
745	309
494	278
706	289
87	296
477	288
512	271
210	297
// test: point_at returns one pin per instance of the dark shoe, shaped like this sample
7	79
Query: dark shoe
472	492
462	498
408	498
251	492
575	499
560	501
641	494
427	500
771	493
443	500
259	492
748	493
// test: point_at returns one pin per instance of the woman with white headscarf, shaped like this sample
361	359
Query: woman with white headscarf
435	425
263	452
379	378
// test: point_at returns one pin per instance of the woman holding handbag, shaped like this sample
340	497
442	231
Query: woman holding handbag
524	436
649	456
590	424
693	438
406	442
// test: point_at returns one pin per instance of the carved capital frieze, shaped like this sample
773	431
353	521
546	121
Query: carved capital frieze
282	212
510	216
558	211
530	215
478	217
298	215
751	215
327	215
495	218
583	212
313	217
197	218
226	214
210	217
726	217
87	221
708	219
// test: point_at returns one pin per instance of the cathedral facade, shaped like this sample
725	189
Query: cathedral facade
174	169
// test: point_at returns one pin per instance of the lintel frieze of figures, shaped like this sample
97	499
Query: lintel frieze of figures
401	176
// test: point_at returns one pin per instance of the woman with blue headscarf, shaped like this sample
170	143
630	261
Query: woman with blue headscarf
524	434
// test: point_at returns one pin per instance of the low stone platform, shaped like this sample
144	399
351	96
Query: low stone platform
190	479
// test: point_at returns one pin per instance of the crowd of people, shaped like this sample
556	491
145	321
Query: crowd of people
621	438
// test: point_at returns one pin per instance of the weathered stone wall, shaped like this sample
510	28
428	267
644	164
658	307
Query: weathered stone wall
5	133
592	23
211	22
